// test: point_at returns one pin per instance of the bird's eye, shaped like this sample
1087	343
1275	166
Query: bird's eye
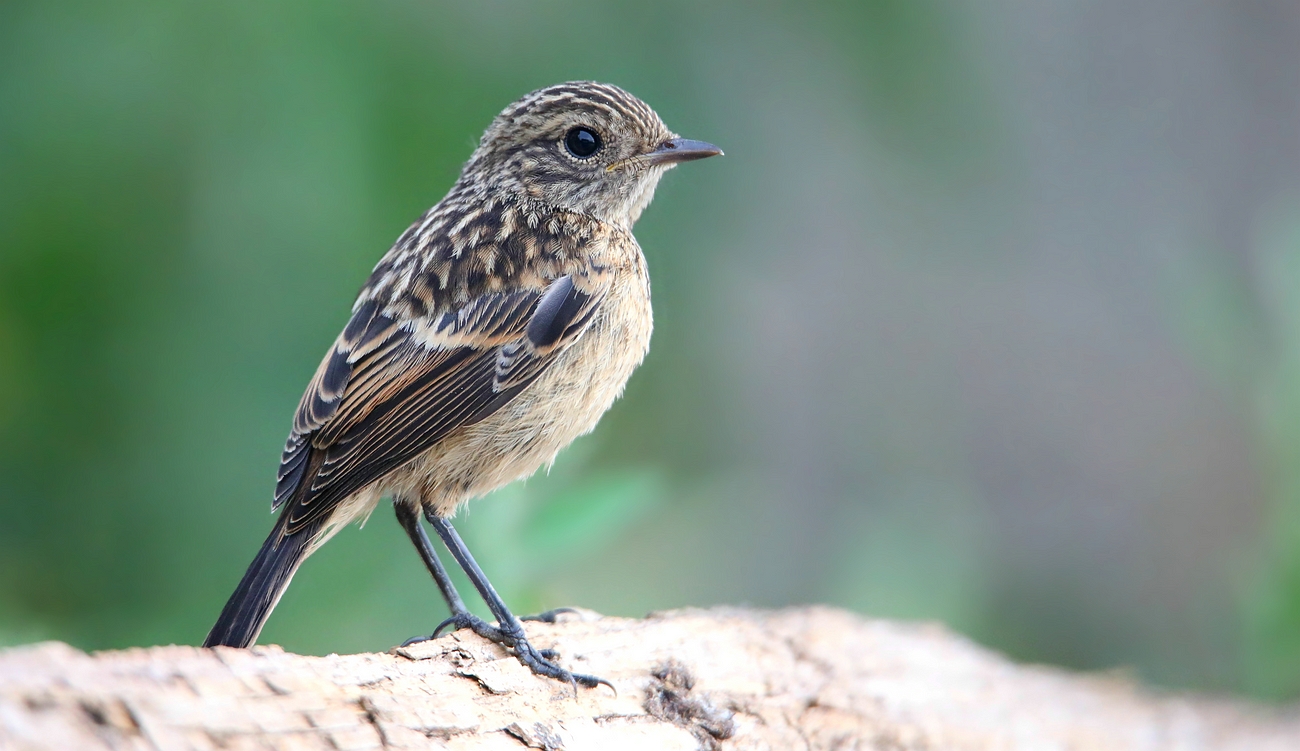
582	142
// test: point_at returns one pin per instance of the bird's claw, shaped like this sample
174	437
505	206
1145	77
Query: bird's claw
459	621
473	623
539	661
549	616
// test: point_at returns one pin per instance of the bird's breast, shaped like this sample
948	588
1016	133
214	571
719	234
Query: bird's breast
565	402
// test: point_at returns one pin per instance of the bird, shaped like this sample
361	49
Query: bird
499	327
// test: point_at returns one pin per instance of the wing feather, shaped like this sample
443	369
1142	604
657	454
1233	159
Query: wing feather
386	393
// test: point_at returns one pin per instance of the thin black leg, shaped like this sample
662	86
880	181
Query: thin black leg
460	552
460	615
511	630
410	521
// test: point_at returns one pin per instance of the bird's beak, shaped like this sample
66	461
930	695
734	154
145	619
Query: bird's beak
676	150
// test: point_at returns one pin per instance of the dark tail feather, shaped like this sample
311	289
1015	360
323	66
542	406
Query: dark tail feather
258	592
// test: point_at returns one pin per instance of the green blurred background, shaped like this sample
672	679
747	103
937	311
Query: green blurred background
990	315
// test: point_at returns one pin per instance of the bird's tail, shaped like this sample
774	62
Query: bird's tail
242	618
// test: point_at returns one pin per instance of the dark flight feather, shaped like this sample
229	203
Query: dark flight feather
246	611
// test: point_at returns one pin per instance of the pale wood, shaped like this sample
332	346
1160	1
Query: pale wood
812	678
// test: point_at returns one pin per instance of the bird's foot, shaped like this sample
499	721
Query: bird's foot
540	661
458	622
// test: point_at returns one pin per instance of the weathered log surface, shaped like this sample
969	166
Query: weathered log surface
813	678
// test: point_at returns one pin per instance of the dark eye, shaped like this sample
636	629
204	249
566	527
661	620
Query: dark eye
582	142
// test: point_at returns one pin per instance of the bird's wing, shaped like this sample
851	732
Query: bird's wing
386	392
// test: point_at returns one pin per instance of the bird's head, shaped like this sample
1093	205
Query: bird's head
582	146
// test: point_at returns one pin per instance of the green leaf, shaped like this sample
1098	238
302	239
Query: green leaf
588	514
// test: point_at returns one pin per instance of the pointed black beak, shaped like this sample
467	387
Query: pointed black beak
677	150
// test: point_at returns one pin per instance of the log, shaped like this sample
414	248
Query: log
726	679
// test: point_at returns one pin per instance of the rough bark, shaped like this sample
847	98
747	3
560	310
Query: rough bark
812	678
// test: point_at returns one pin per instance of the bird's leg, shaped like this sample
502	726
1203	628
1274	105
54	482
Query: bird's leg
409	518
510	630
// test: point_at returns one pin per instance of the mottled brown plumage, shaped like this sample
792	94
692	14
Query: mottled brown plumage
499	327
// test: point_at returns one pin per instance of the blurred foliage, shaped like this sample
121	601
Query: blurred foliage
880	322
1273	610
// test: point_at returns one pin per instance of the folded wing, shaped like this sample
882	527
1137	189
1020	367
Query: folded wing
386	392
